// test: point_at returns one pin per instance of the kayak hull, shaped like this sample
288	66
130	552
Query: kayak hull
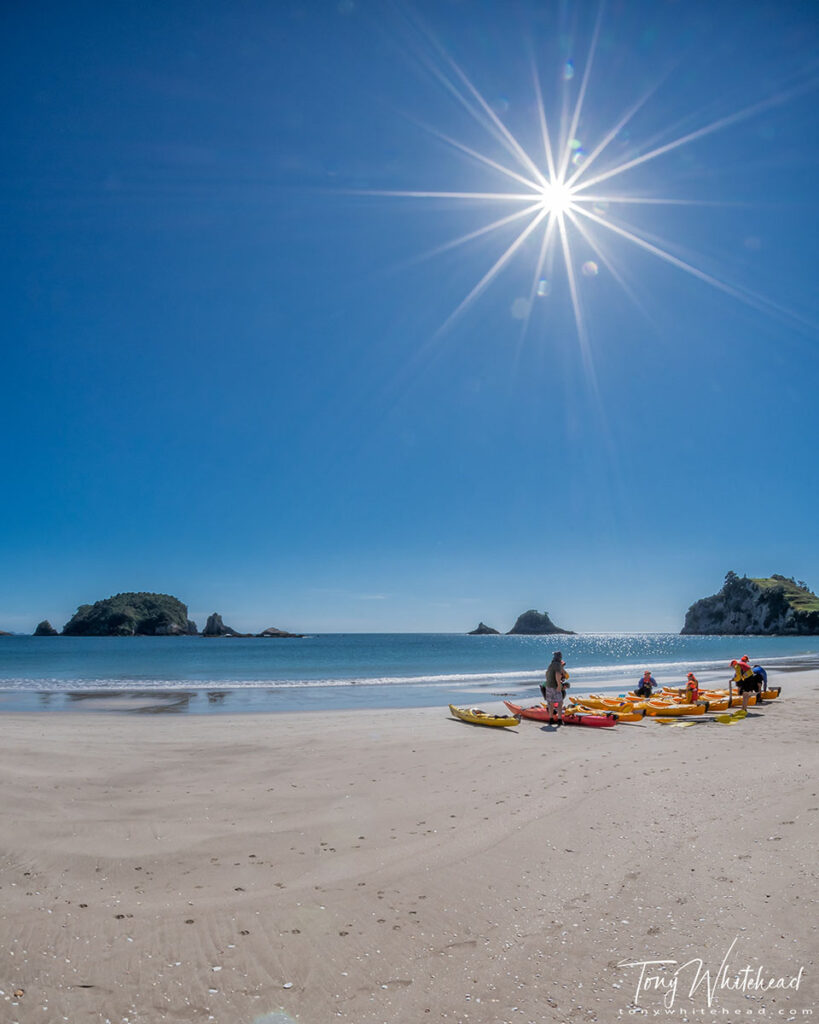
593	700
620	715
539	713
675	710
477	717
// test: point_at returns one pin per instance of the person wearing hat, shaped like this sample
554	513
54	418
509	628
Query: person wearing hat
692	689
646	685
746	679
761	675
554	688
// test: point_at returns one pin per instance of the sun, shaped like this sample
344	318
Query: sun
556	197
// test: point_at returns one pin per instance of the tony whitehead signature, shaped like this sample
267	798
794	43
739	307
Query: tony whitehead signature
726	979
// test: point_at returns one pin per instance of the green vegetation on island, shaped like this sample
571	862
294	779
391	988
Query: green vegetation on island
762	606
132	615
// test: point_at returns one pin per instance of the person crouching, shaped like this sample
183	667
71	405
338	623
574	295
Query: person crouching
691	693
646	685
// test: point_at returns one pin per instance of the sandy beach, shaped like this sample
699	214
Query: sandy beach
405	867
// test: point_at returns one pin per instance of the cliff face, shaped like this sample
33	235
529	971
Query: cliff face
534	623
769	606
132	615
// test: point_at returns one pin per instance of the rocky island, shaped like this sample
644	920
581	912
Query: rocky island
280	634
483	630
132	615
533	623
765	606
215	628
45	629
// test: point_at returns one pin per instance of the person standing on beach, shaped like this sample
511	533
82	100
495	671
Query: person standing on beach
761	675
746	680
553	689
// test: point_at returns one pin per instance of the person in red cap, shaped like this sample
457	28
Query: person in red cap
692	689
747	681
761	677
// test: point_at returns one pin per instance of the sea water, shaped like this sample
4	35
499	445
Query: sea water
344	671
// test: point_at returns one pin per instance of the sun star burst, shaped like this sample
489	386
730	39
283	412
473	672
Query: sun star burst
554	198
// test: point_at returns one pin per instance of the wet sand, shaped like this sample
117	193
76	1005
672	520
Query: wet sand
382	867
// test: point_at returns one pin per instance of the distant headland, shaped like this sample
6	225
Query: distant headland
760	606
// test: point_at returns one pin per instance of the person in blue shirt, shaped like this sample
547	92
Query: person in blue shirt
646	685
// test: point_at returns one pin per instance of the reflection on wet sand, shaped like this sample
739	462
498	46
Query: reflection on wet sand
141	701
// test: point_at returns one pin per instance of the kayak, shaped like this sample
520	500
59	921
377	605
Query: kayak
724	703
539	713
620	714
668	710
594	700
714	696
478	717
593	721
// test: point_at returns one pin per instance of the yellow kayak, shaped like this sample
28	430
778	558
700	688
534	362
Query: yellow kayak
621	714
478	717
594	700
667	710
723	703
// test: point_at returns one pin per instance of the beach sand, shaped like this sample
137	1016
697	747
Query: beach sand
382	867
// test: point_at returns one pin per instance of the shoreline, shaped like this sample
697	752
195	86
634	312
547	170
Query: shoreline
194	698
374	867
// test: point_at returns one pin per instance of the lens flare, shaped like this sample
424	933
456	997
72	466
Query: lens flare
551	190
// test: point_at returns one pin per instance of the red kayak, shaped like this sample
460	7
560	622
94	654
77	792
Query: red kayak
541	714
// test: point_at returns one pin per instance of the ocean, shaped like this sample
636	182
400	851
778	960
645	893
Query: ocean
348	671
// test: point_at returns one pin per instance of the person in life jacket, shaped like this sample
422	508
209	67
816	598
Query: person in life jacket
692	689
746	680
646	685
761	675
554	688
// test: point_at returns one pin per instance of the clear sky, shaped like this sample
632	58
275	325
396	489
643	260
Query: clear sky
231	370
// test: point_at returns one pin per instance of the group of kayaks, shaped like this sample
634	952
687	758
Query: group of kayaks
599	711
538	713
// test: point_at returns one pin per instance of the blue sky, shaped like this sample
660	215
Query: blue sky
224	374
